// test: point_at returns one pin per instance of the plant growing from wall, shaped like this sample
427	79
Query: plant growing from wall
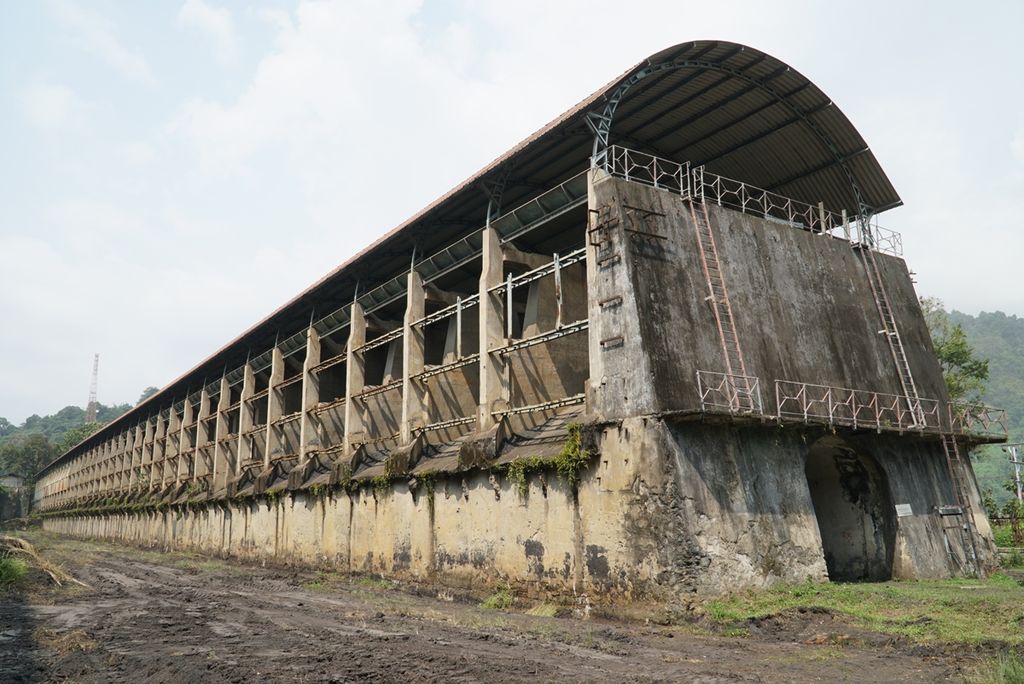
428	480
519	472
573	458
381	485
568	464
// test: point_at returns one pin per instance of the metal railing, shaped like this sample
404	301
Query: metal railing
975	418
729	393
681	178
855	408
647	169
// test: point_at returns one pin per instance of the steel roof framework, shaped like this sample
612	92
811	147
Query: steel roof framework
740	112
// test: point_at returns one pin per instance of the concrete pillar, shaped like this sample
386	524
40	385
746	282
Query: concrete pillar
134	460
493	389
123	460
355	379
414	407
146	457
245	417
274	407
156	468
309	434
171	446
222	461
200	467
185	445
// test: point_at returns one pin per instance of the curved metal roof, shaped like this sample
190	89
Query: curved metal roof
738	111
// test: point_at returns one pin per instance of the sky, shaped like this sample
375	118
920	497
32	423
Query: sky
172	171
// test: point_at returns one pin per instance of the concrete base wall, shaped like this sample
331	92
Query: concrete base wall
665	509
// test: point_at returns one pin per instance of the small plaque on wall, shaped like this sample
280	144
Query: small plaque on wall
903	510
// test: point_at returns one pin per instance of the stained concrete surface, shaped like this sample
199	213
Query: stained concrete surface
168	617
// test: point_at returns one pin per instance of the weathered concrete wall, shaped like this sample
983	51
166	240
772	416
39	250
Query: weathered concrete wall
672	503
665	509
802	304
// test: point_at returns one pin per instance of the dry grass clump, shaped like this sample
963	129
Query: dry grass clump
64	643
21	554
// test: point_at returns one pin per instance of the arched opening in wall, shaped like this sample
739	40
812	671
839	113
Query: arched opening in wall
854	511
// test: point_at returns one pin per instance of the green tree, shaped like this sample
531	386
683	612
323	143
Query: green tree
26	455
76	435
146	394
964	372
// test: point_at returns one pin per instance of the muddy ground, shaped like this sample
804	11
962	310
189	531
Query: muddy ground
152	617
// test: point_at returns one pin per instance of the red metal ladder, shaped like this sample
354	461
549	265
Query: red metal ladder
889	329
961	500
740	399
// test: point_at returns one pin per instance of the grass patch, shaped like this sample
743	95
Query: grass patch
372	582
209	565
12	570
1014	559
1006	669
544	610
952	611
501	599
318	586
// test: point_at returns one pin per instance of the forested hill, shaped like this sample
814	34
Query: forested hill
56	426
1000	339
26	448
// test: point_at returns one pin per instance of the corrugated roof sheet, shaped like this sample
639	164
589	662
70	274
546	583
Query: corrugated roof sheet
743	113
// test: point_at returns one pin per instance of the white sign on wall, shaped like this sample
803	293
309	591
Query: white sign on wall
903	510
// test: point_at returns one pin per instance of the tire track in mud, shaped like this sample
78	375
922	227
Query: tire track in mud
155	621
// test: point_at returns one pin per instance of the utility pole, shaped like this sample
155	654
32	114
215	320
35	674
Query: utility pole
91	407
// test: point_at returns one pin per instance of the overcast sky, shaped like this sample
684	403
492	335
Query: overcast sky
172	171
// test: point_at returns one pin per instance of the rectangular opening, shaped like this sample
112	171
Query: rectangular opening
332	383
291	398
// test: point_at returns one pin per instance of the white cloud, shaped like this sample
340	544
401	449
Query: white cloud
50	106
338	102
1017	145
175	221
96	34
136	153
216	24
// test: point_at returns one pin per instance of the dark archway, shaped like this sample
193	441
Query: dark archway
854	511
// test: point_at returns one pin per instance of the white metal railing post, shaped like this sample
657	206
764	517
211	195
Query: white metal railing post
508	307
558	292
458	327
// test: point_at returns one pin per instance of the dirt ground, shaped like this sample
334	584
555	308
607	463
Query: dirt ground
152	617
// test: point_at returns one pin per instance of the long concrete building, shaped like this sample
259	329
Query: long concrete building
661	346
